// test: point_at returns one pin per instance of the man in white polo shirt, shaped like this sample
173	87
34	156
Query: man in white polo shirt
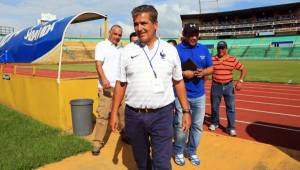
107	56
149	69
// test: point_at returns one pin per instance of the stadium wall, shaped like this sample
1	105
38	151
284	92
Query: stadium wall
44	99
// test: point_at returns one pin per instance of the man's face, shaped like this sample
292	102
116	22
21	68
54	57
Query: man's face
192	39
115	35
134	38
144	27
222	51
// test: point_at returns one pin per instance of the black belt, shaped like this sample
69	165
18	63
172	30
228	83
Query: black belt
223	84
146	110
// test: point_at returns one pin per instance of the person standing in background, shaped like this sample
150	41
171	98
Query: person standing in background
223	86
192	54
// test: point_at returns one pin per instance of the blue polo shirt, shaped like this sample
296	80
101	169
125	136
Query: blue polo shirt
202	58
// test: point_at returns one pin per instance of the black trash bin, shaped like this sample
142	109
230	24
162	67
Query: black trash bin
82	110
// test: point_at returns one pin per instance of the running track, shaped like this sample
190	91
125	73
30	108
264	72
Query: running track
265	112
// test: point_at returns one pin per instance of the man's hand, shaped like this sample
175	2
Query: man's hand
199	73
186	122
114	122
188	74
106	84
238	86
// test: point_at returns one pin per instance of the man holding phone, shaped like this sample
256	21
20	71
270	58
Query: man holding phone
196	63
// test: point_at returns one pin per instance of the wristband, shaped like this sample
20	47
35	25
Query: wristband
186	111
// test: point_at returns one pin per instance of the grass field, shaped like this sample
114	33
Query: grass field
28	144
272	71
261	71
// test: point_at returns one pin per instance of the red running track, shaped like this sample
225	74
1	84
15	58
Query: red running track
47	73
265	112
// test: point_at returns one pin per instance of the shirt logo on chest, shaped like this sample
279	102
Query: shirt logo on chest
202	57
132	57
162	54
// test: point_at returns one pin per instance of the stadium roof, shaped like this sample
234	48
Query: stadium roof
242	11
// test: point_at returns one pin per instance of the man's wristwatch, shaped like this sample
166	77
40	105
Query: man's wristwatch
186	111
241	81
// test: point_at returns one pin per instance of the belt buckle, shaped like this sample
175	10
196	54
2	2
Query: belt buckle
146	110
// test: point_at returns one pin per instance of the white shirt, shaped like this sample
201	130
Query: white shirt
109	54
142	91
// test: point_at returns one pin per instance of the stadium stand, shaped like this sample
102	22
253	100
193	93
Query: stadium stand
260	48
263	33
5	30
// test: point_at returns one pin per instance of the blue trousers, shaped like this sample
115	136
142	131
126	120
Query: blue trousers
217	92
152	129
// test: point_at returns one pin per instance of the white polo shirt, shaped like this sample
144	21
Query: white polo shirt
109	54
144	90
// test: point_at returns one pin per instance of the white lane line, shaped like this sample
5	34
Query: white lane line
260	124
275	85
267	103
264	111
272	89
294	86
266	90
272	92
281	98
267	97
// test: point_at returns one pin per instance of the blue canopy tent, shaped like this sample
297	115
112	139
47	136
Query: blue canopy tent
42	43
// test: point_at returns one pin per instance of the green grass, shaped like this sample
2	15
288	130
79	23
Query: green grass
272	71
28	144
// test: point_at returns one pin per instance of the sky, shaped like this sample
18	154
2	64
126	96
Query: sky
21	14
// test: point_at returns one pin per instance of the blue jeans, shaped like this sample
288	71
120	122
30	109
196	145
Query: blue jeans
181	143
217	92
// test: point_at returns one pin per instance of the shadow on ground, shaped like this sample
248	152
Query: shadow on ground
285	138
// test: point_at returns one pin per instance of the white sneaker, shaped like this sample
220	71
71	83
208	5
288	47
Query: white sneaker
232	132
213	127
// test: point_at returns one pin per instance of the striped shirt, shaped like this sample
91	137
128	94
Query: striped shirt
224	67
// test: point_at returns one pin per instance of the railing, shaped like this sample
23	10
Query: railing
250	32
268	23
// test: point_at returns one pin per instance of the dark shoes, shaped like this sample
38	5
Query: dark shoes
96	148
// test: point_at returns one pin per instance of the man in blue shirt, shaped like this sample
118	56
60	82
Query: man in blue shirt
196	63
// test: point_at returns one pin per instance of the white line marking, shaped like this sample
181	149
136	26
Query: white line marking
275	104
272	92
294	87
263	111
272	89
281	98
275	85
260	124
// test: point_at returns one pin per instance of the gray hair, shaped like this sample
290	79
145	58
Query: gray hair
145	8
115	26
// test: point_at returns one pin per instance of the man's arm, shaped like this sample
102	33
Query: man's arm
118	96
181	93
204	72
243	74
101	75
